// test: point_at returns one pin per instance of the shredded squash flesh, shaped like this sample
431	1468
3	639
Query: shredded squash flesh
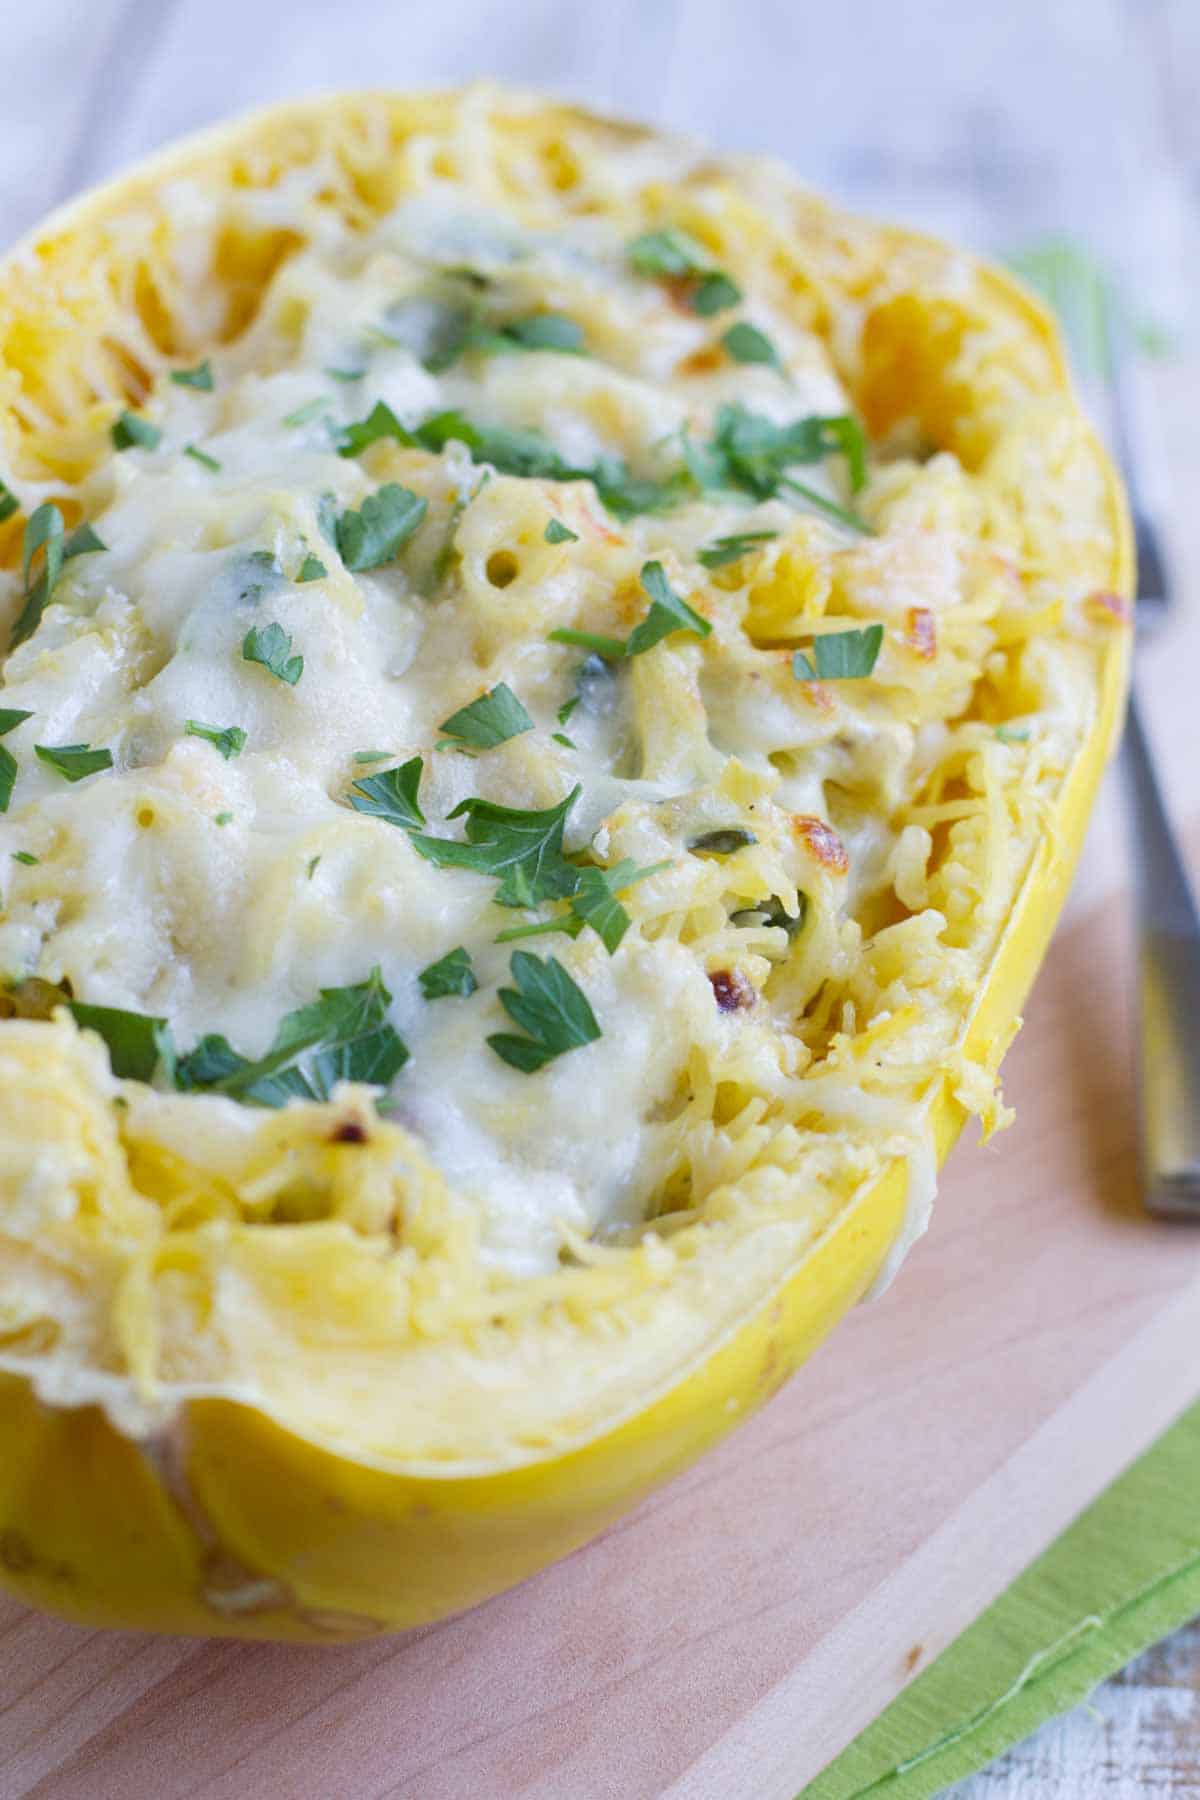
466	302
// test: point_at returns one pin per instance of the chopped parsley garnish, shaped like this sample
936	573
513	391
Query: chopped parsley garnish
311	569
10	718
137	1042
668	613
612	649
452	974
383	524
200	377
670	251
257	576
391	795
593	903
723	841
132	432
9	504
558	533
381	422
560	737
675	253
1012	734
567	708
492	719
230	740
840	655
725	550
752	454
715	293
747	344
74	761
26	857
313	861
270	645
545	331
344	1035
304	415
549	1008
203	458
522	850
370	756
223	818
355	374
46	531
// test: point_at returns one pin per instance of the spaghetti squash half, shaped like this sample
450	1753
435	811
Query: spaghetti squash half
554	684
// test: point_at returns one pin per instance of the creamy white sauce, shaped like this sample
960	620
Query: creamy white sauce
224	893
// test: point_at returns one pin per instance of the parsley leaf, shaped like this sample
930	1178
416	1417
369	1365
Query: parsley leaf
747	344
546	331
595	902
137	1042
752	453
45	531
200	377
611	648
9	504
230	740
492	719
673	252
392	795
23	856
311	569
8	776
523	850
451	974
11	717
840	655
344	1035
558	533
203	458
549	1007
256	576
668	613
714	294
131	432
74	761
270	645
670	251
375	534
381	422
725	550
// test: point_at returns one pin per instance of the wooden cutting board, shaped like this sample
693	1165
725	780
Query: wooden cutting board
732	1635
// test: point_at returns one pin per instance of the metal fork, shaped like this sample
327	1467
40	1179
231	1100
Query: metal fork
1166	915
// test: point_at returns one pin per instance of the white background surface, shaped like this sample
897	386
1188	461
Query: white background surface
994	123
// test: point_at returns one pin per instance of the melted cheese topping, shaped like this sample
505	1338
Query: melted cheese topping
739	1064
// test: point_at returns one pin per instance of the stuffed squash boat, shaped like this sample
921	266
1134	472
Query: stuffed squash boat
553	688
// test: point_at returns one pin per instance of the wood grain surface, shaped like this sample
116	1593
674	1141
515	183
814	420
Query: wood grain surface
667	1656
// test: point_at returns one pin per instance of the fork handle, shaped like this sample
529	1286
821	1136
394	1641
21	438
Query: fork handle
1168	929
